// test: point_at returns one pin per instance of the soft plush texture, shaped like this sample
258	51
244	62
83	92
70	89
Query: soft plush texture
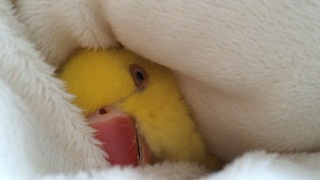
249	70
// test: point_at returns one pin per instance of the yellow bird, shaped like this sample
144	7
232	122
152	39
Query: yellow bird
136	107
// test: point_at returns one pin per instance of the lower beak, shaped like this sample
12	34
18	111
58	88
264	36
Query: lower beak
120	139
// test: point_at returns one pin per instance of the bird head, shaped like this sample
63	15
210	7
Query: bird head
135	106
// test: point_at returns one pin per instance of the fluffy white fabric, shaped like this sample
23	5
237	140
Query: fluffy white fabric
64	140
249	69
263	166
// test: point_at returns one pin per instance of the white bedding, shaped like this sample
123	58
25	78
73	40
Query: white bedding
249	70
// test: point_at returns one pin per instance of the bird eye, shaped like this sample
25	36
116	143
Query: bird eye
139	76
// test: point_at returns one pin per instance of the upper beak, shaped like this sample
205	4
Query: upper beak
120	138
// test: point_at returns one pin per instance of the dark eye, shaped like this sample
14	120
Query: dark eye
139	76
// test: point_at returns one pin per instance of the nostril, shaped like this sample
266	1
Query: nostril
102	111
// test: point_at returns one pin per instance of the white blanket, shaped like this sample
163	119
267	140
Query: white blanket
249	69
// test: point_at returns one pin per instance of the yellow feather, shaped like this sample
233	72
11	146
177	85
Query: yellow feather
99	78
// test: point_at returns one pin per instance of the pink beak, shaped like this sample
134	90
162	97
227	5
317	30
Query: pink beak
120	139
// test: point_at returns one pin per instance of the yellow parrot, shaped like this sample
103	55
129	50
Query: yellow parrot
136	107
